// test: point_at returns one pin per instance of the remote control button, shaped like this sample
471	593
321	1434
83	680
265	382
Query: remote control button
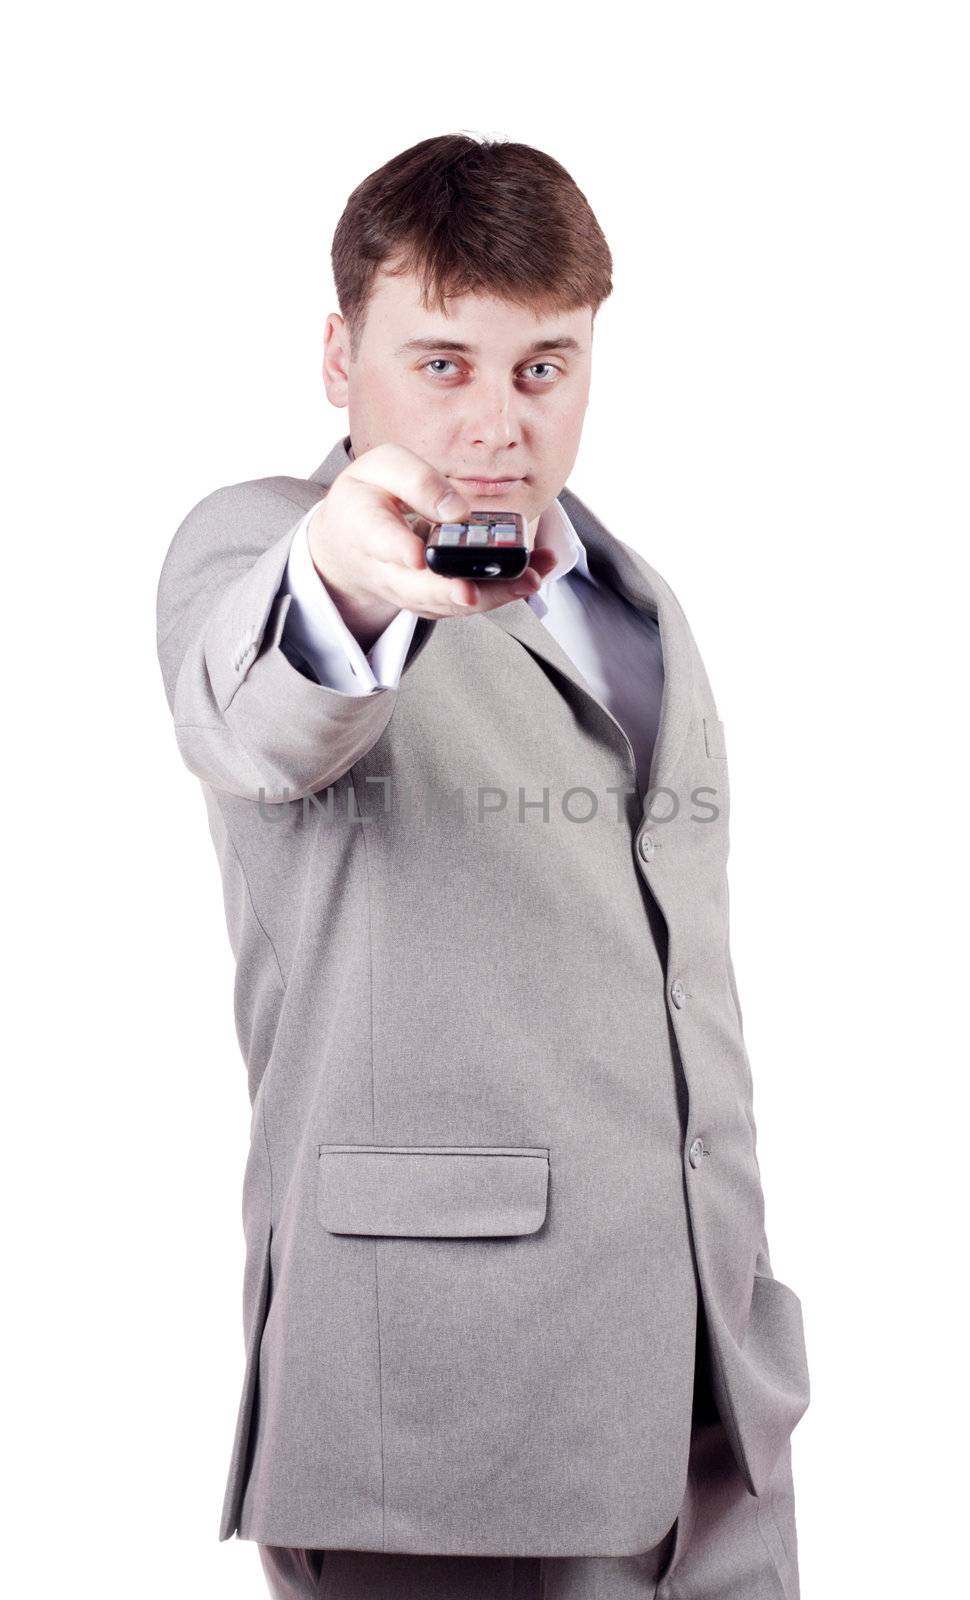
451	532
505	533
478	534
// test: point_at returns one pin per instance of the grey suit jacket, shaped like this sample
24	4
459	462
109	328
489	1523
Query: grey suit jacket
502	1144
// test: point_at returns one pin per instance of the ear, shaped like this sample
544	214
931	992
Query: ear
336	359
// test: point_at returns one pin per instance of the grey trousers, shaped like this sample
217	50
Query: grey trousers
725	1544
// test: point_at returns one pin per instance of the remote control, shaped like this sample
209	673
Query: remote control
489	544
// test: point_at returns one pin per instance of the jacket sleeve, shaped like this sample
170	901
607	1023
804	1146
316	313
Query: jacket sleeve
247	720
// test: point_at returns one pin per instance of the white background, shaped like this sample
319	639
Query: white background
778	423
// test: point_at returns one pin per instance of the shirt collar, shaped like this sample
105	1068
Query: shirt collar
555	532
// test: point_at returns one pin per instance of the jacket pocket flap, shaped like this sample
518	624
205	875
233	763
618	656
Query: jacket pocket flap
432	1191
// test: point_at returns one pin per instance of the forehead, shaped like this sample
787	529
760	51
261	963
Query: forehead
395	310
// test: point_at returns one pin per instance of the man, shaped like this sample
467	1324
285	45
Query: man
511	1324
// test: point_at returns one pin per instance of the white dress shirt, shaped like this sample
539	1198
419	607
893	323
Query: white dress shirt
615	647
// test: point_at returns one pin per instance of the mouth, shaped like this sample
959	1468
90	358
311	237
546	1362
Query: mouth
488	486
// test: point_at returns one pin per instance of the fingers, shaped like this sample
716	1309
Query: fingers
400	472
383	535
541	561
425	592
428	594
375	522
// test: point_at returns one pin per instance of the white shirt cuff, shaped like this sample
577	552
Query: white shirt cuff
316	629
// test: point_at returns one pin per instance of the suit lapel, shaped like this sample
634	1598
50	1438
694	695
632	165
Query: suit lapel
624	570
609	558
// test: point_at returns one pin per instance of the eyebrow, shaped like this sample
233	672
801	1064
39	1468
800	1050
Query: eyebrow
564	343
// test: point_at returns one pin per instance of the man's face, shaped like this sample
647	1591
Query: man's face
495	408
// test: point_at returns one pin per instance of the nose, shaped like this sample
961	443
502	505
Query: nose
493	421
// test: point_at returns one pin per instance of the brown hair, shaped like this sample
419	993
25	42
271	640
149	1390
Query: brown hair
468	215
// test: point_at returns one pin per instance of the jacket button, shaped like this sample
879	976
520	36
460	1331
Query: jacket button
646	845
695	1152
678	993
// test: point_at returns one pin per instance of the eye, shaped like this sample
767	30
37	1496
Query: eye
436	363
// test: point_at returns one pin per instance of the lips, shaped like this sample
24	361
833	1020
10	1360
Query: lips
488	486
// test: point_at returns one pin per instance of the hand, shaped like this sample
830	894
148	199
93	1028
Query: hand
373	561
